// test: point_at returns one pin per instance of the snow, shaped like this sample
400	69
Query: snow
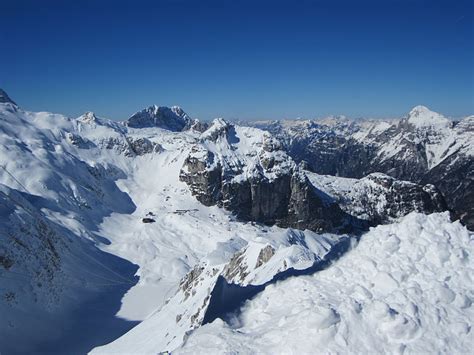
390	138
164	331
174	118
241	151
97	194
366	198
421	116
405	288
77	184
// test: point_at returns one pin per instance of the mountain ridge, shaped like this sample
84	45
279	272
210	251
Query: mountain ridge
125	226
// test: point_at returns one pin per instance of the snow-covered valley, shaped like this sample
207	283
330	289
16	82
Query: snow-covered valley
163	233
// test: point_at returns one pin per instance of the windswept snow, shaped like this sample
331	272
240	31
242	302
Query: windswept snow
79	268
405	288
95	186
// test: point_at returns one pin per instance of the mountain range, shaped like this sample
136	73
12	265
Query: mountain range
423	147
164	233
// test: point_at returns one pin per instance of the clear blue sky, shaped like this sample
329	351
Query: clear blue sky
239	59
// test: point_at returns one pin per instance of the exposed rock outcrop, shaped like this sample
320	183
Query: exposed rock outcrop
4	98
130	146
173	119
424	147
379	198
265	255
245	171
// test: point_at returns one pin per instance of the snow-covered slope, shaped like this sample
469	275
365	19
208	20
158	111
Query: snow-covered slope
422	117
379	198
422	147
90	182
249	261
98	232
405	288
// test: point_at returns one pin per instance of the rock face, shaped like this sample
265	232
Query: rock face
4	98
379	198
173	119
455	177
142	146
245	171
265	255
423	147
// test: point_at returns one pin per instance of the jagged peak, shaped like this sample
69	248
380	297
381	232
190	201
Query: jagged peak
466	124
5	99
178	110
220	122
171	118
87	117
217	128
422	116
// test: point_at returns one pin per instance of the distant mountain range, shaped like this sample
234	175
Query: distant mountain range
424	147
136	236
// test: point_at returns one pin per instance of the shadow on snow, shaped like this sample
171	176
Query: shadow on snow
228	298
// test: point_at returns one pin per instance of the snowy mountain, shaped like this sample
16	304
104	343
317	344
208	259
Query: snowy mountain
423	147
379	198
245	171
395	292
138	236
5	99
173	119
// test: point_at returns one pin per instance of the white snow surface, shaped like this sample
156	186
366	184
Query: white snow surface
83	177
421	116
405	288
79	184
240	151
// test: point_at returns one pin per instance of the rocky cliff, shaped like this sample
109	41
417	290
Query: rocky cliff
245	171
423	147
379	198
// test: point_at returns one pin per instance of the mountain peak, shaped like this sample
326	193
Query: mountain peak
171	118
419	109
87	117
422	116
4	98
218	128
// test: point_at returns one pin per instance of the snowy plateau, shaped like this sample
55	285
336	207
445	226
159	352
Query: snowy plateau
162	233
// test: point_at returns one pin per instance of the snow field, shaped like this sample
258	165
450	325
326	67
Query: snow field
405	288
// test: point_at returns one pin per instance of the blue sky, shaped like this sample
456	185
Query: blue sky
239	59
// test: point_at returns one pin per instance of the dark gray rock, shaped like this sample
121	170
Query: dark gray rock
203	176
455	179
4	98
131	147
401	150
277	192
142	146
173	119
